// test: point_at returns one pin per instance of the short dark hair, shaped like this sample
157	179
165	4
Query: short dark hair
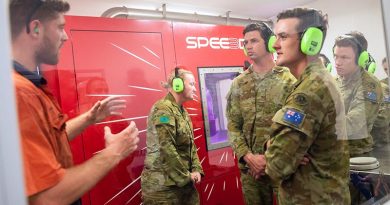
349	41
359	37
384	60
326	59
22	12
308	17
264	30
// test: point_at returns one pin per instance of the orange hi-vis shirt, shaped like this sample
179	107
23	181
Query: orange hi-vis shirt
45	146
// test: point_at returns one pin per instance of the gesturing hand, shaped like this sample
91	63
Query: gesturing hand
108	106
124	142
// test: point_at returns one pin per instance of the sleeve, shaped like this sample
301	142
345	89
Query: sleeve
235	122
196	166
384	109
165	125
41	168
293	132
363	110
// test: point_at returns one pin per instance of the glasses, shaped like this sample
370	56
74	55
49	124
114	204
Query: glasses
37	4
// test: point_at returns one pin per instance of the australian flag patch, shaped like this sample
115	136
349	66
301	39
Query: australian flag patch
371	96
293	117
387	99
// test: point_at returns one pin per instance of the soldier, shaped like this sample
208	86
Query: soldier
380	129
311	121
253	99
361	92
385	66
172	165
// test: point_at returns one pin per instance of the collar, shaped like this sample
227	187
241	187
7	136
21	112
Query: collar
312	66
172	99
353	77
34	77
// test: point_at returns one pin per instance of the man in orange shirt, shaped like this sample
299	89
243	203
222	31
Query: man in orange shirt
38	33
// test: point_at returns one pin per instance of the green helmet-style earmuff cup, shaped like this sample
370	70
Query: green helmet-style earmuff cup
371	68
363	59
177	85
329	67
311	41
271	42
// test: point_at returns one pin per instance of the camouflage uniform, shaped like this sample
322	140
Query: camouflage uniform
362	95
380	130
385	81
251	103
311	123
171	156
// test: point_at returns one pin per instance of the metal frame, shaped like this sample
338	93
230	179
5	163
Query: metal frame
11	177
202	71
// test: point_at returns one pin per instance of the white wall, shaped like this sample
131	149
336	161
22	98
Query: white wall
344	16
361	15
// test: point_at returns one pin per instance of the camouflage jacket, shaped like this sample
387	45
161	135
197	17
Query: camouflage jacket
385	81
380	130
251	103
171	151
311	123
362	95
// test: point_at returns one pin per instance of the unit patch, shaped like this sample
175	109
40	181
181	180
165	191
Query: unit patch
164	119
300	99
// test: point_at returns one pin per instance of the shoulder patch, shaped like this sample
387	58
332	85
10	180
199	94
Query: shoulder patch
300	99
387	100
371	96
164	119
293	117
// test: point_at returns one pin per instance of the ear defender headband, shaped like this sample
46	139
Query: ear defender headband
362	56
177	82
270	38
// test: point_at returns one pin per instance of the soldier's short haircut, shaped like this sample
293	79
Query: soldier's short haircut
349	41
359	37
264	30
181	72
308	17
22	12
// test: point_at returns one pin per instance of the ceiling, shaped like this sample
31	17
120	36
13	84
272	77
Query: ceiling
254	9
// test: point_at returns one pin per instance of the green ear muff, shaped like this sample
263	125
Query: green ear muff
371	67
311	41
178	85
177	82
271	42
363	59
245	51
329	67
36	30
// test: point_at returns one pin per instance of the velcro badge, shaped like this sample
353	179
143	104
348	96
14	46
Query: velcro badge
293	117
371	96
164	119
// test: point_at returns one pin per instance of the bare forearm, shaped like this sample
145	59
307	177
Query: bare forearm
78	180
76	125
